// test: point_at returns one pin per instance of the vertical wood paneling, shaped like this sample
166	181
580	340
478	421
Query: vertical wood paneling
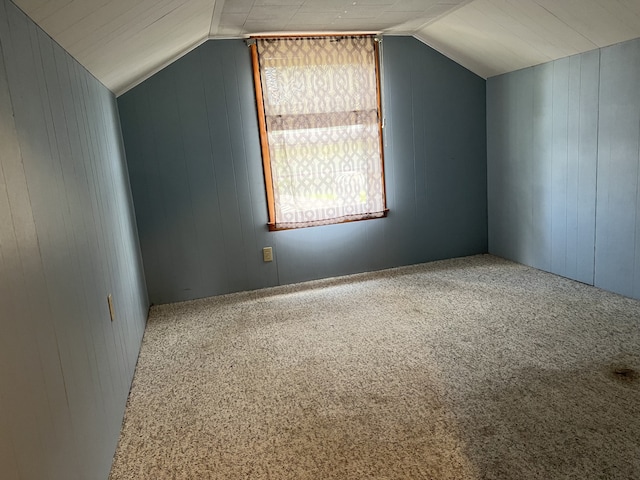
83	235
235	81
194	131
497	116
501	119
559	170
67	240
541	167
573	168
399	96
514	140
455	158
21	426
586	146
144	177
261	273
423	135
61	261
525	138
173	176
213	66
203	116
26	288
617	266
542	152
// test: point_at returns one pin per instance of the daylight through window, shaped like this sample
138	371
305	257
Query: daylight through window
319	113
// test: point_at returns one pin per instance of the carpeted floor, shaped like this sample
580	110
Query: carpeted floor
473	368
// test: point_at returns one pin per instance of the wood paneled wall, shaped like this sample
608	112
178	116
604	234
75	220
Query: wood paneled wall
617	254
563	167
542	127
194	160
67	240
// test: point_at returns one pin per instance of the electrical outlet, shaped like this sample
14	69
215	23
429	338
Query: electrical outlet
267	254
112	313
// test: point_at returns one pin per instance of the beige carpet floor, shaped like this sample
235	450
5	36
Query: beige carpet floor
473	368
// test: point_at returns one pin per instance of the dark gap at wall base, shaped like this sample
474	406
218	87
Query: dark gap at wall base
194	161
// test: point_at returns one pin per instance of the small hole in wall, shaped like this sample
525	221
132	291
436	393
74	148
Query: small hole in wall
112	314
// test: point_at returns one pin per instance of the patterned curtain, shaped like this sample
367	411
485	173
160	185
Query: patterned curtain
321	110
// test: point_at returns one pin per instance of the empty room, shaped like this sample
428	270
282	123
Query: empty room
332	239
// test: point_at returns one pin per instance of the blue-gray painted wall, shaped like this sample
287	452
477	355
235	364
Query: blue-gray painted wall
617	253
67	240
563	167
194	161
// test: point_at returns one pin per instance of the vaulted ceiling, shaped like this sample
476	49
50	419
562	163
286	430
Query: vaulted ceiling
122	42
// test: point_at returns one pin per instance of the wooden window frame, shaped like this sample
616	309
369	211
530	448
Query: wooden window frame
262	127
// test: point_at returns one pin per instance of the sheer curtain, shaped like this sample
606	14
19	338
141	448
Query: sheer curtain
320	97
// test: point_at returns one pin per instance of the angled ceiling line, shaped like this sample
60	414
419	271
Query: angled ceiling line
123	43
218	5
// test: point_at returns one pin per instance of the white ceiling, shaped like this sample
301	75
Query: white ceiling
122	42
491	37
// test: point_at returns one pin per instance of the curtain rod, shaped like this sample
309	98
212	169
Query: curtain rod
254	38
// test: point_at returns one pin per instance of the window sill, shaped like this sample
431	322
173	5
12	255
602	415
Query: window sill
274	227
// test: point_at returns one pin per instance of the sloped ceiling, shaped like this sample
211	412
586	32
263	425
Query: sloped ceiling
122	42
491	37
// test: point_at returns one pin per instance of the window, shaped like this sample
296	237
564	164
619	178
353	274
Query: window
320	129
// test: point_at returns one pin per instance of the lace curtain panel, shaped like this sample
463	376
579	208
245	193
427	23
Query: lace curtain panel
321	108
